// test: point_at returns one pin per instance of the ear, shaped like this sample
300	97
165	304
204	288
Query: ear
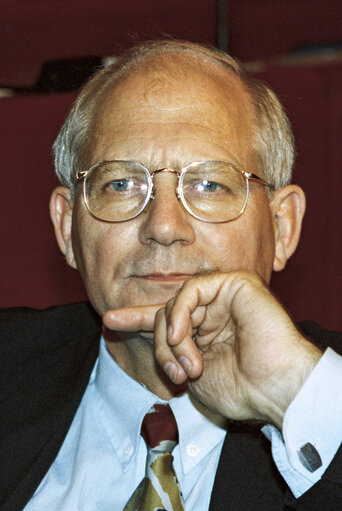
61	206
288	208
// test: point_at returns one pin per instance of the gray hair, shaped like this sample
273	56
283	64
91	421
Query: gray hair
272	141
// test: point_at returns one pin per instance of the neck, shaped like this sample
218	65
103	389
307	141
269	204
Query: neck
134	354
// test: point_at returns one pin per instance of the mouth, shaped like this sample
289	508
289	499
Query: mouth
167	278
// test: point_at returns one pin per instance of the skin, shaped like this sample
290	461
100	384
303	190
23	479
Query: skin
177	293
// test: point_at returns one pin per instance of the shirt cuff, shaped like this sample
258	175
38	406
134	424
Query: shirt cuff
312	427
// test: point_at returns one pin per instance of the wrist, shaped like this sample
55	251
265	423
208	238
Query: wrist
284	387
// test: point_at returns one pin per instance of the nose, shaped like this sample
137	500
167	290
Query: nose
165	221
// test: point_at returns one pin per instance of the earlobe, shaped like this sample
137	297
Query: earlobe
288	208
61	206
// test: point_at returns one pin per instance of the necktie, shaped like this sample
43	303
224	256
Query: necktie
159	490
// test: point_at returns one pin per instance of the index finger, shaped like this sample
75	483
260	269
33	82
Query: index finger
132	319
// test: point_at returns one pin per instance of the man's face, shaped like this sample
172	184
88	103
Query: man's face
160	122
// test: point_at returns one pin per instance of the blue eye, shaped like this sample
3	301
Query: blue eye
207	186
120	185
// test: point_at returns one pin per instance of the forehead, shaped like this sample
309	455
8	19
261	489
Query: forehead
175	101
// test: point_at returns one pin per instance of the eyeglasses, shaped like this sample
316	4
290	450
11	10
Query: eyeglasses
211	191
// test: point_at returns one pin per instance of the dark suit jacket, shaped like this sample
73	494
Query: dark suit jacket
46	358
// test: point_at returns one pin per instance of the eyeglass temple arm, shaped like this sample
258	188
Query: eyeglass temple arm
82	175
252	177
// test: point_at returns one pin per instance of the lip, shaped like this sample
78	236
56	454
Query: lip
165	278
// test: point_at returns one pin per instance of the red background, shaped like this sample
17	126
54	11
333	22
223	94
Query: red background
32	270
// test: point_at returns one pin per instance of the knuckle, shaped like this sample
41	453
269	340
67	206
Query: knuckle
246	277
160	352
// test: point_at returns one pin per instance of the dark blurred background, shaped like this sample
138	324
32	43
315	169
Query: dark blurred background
48	49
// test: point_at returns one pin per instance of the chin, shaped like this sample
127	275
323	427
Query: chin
148	336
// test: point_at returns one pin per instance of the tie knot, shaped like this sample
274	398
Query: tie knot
159	425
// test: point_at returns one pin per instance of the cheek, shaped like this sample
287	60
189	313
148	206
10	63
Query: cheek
260	237
246	243
92	239
99	249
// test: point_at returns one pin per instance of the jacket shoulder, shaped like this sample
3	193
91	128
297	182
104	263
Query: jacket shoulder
46	358
321	337
39	346
26	326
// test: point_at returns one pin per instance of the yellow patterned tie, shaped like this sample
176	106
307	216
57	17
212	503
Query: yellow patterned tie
159	490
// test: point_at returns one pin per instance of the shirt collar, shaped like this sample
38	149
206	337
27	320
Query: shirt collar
200	430
123	403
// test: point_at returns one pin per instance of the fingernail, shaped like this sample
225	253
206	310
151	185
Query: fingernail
171	370
186	364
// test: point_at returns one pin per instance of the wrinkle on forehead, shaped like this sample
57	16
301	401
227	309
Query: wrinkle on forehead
156	88
211	100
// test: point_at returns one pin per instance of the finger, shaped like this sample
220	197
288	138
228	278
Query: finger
163	353
132	318
189	307
218	289
178	362
189	357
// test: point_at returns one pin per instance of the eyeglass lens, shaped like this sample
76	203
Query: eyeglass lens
210	191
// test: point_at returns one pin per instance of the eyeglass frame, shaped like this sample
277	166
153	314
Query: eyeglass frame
248	176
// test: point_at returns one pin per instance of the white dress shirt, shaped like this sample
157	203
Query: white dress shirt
102	459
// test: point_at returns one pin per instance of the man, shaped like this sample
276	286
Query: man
175	207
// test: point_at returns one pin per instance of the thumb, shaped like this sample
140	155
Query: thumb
131	319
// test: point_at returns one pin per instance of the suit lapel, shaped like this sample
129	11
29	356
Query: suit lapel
247	478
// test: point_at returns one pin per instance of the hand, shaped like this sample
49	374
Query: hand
227	335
